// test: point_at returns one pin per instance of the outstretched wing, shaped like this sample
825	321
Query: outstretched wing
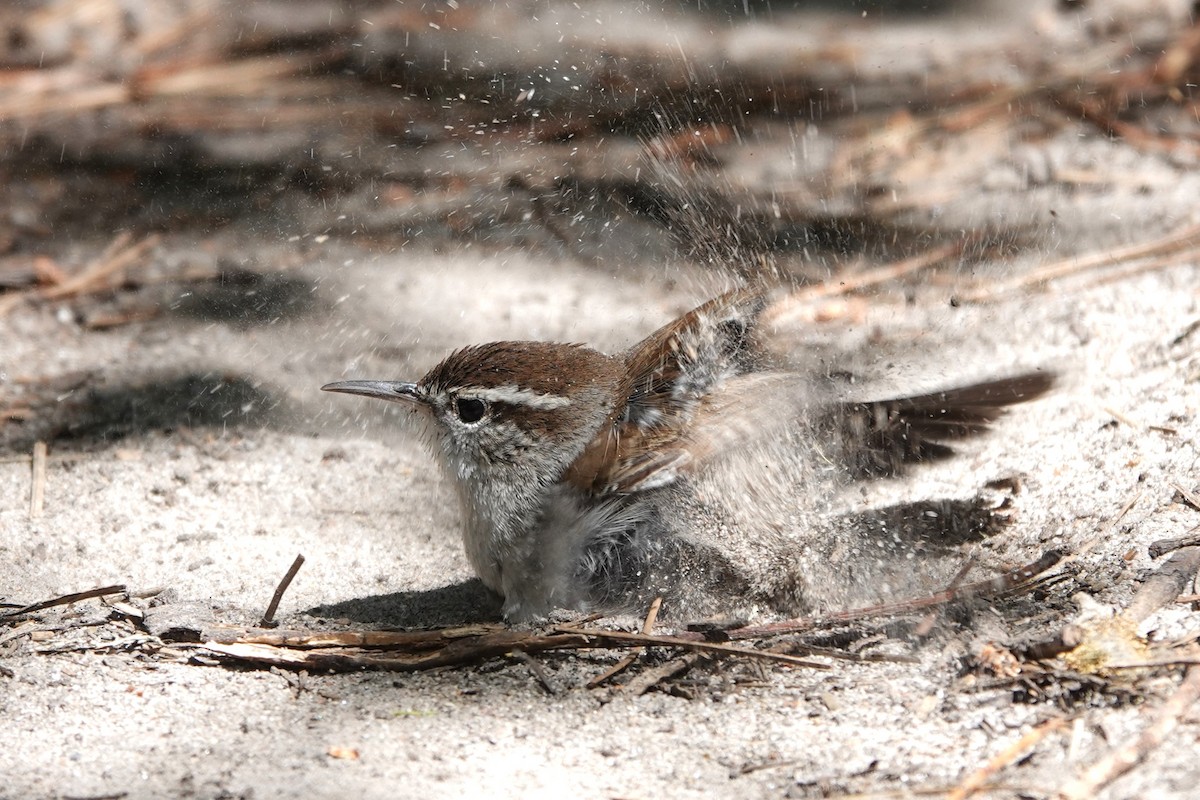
881	437
702	384
671	376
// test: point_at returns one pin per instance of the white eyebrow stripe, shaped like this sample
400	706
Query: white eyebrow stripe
515	395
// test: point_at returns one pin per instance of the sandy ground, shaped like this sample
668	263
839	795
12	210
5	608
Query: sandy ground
206	509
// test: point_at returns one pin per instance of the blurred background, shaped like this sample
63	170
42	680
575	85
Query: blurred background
210	207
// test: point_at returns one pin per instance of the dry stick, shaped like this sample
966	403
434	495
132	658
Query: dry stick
802	648
23	630
1120	761
455	653
1132	133
1191	328
1161	547
1164	585
119	243
1076	265
926	625
780	315
1178	661
102	269
1103	532
624	639
66	599
648	679
102	322
37	490
890	272
1192	498
216	78
537	671
1119	417
302	640
1008	581
585	620
116	257
1137	268
57	457
268	619
623	664
978	779
474	648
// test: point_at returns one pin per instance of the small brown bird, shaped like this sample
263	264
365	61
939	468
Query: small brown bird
693	466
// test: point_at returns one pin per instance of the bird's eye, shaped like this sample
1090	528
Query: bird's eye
470	409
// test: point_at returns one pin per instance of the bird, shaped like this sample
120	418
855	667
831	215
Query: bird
697	466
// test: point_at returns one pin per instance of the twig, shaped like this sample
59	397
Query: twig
1169	661
465	650
116	257
1191	498
66	599
926	625
587	619
650	678
1164	585
1101	535
978	779
418	650
623	664
626	639
23	630
37	490
101	322
1123	759
1006	582
305	640
1074	265
784	311
537	671
1137	268
268	619
1191	328
889	272
803	648
1161	547
1121	418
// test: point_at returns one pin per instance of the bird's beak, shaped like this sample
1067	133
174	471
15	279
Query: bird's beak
384	390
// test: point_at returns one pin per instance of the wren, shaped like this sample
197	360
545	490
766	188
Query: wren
694	466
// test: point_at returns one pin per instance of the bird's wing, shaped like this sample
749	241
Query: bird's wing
675	375
882	437
703	384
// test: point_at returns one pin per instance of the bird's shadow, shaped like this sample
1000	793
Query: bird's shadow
932	526
447	606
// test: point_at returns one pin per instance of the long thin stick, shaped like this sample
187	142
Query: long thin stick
623	664
66	599
1185	238
102	268
786	309
268	619
1123	759
999	584
979	778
